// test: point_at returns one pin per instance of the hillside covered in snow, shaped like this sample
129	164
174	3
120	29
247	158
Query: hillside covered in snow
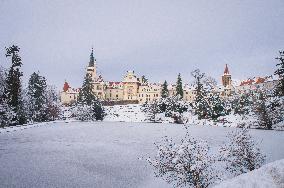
268	176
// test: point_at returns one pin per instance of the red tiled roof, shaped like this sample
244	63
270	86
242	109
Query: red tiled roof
247	82
66	86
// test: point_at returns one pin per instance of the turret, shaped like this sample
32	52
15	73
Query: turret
226	78
91	69
92	59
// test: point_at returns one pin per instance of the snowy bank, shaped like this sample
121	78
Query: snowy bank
25	126
270	175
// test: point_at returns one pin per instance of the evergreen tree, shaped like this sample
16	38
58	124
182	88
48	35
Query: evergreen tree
98	111
242	104
151	110
280	72
6	113
12	93
37	100
179	89
200	104
165	91
86	94
88	102
217	106
263	111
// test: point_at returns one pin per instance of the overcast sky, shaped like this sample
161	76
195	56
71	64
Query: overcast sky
155	38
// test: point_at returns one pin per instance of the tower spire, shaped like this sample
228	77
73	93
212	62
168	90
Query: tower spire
92	59
226	71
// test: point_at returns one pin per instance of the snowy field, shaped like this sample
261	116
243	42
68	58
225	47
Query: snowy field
101	154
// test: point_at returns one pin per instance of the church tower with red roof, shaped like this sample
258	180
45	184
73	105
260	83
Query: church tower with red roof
226	78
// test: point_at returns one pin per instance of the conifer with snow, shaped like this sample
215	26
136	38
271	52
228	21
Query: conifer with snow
13	87
280	72
187	164
151	109
86	94
263	111
88	106
241	153
6	113
179	88
269	110
243	104
217	106
165	91
201	105
37	98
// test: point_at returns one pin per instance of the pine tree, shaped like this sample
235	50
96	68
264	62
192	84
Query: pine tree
37	98
151	110
98	111
165	91
200	104
86	94
179	89
6	113
88	102
263	112
217	106
280	72
13	87
242	104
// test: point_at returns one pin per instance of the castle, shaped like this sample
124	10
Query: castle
135	90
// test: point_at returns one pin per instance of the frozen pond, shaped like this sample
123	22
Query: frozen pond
100	154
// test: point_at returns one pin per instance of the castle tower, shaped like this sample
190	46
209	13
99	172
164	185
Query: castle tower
92	69
226	78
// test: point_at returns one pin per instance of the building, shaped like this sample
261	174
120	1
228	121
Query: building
149	92
69	95
267	84
133	89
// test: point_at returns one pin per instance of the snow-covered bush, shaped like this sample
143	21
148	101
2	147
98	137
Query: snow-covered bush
241	153
83	113
186	164
172	107
268	110
6	114
53	107
151	111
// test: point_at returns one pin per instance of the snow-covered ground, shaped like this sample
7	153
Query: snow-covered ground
125	113
101	154
268	176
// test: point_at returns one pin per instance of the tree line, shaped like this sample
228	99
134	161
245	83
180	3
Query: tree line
39	102
267	107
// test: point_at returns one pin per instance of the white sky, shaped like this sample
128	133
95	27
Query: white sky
156	38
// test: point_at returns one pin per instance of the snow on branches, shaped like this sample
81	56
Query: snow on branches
185	164
241	153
